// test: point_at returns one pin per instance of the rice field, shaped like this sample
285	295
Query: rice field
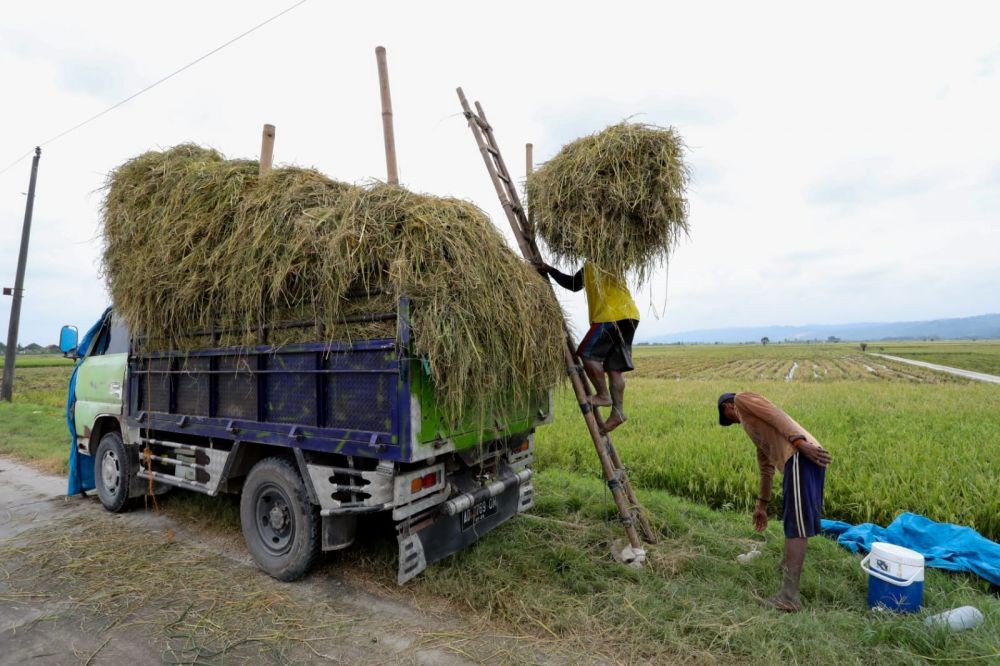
809	363
902	438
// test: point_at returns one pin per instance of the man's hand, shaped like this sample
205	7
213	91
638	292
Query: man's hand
542	268
815	453
760	518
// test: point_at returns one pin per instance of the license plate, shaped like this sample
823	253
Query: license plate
479	511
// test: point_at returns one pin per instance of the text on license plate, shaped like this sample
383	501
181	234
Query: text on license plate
479	511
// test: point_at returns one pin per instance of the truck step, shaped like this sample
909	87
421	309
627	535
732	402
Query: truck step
170	480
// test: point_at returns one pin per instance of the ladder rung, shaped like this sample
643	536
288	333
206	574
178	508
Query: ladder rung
493	151
503	178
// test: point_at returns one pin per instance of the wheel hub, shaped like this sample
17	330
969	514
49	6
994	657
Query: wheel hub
109	471
275	524
277	517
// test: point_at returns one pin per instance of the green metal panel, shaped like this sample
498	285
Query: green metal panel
504	421
100	389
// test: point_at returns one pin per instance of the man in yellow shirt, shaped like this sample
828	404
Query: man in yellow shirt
607	346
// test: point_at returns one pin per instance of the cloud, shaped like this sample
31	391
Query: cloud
102	78
93	72
567	122
866	183
987	64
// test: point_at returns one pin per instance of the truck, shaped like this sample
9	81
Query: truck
314	437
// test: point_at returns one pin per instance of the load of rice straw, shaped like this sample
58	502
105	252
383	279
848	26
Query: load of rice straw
615	198
194	242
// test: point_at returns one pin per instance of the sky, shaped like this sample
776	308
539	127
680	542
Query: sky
844	156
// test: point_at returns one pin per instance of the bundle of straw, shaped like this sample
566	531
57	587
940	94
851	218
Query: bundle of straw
615	198
193	241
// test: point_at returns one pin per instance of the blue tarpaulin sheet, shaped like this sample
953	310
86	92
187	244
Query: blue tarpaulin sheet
943	545
81	466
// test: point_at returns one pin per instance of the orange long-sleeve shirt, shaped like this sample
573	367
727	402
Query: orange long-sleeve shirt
770	429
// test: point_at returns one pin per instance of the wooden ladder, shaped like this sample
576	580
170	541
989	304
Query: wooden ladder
629	510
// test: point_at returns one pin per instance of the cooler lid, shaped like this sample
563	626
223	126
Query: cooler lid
894	553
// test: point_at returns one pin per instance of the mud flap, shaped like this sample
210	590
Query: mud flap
428	540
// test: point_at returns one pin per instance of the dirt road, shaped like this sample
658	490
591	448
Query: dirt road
72	590
968	374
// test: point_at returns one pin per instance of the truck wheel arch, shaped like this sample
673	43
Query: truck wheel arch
103	424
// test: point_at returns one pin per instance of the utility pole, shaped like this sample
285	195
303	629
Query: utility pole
7	392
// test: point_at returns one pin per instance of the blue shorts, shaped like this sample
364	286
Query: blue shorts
803	489
610	343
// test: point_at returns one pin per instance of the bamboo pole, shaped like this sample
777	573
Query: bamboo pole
529	168
266	149
392	175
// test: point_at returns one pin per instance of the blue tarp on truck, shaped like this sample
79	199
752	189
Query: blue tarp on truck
81	466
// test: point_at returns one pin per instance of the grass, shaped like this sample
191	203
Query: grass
982	356
921	442
41	385
693	602
35	434
40	361
33	427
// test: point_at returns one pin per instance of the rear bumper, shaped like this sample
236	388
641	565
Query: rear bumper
438	535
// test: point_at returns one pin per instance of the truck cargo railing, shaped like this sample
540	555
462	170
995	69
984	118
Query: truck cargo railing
351	398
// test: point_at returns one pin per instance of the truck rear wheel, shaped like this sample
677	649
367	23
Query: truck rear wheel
280	524
114	467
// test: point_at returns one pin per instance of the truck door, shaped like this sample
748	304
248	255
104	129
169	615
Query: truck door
100	380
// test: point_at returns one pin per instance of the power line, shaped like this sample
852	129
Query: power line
152	85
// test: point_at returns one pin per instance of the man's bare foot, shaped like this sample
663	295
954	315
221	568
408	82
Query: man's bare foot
600	400
783	602
616	419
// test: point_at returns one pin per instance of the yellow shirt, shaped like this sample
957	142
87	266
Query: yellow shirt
608	298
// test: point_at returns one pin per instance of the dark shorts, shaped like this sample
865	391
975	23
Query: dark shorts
611	344
803	488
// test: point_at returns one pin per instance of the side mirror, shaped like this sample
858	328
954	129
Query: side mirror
68	340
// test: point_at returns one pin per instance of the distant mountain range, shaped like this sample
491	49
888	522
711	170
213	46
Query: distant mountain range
964	328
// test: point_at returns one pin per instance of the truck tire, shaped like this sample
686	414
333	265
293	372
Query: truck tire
280	524
114	468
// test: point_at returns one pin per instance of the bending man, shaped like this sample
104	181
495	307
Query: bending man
607	346
782	444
